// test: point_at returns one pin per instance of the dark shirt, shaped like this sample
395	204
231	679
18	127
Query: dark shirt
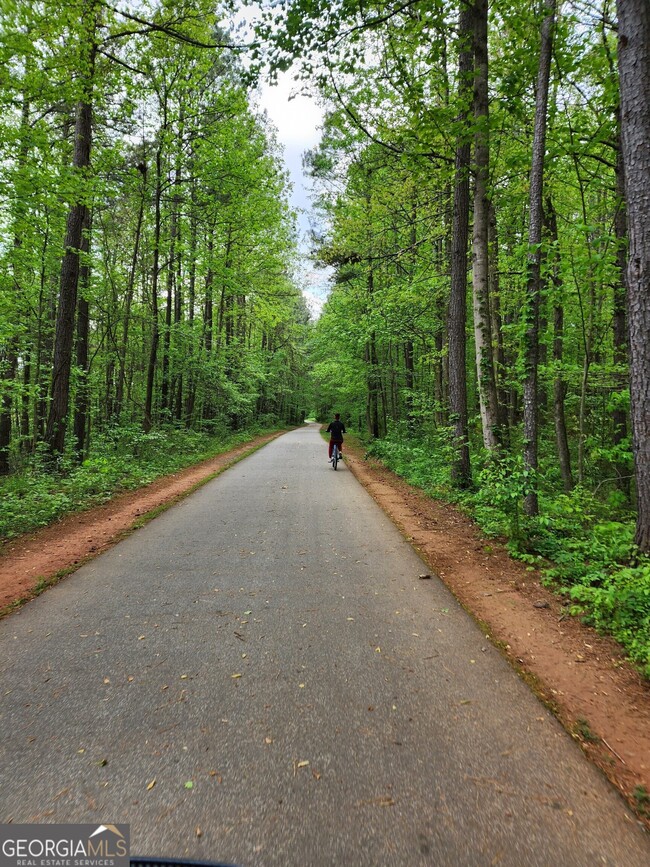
336	429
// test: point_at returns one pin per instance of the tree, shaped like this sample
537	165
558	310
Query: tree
634	71
483	340
457	315
77	218
533	289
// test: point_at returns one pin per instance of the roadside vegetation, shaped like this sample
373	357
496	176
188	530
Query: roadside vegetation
125	459
582	543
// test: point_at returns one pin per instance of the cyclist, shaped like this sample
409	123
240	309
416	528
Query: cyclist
336	430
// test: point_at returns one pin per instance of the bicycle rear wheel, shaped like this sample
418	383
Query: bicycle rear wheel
335	456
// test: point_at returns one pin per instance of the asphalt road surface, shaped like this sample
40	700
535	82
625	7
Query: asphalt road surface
260	677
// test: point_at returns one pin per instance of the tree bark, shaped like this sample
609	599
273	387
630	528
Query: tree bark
457	313
77	216
533	288
64	334
487	388
634	74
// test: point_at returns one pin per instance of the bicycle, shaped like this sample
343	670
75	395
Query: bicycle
336	455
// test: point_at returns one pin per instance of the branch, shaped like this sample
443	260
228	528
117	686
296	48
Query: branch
168	30
386	145
123	63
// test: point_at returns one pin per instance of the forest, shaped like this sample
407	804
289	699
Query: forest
483	188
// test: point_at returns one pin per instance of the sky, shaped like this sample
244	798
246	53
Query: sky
297	120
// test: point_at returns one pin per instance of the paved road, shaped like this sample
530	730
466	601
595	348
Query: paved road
267	654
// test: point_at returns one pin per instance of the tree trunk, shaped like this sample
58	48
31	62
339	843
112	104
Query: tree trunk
457	314
155	324
190	391
533	288
9	353
559	385
77	217
83	319
487	388
126	323
634	71
619	324
372	369
8	366
497	329
165	389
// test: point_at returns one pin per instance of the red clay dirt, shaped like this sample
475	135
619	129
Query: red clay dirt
584	677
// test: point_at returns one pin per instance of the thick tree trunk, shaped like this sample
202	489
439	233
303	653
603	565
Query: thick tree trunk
64	335
533	289
634	70
487	388
77	216
457	314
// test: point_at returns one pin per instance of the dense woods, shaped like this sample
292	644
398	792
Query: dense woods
484	184
147	244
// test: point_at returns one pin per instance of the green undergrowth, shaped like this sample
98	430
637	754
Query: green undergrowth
123	459
582	544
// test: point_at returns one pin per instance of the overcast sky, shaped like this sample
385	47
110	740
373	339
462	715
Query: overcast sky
297	121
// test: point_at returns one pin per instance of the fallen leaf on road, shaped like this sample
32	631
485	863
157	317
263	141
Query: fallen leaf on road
151	784
424	577
107	680
316	775
141	637
189	784
198	831
268	740
384	801
235	675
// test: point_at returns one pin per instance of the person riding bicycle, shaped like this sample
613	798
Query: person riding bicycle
336	430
